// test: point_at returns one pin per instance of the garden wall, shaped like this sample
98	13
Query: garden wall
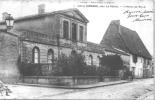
67	80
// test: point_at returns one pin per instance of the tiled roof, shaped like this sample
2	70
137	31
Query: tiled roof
124	39
114	50
102	48
93	47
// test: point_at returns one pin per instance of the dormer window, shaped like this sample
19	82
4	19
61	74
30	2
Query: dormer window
81	29
65	29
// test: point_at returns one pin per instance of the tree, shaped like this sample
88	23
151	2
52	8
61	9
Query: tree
110	65
74	65
113	61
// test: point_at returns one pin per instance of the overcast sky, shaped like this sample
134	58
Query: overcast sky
99	17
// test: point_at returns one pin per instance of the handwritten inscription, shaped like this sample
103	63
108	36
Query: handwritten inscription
139	15
135	15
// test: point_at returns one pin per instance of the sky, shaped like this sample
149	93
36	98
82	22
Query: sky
99	16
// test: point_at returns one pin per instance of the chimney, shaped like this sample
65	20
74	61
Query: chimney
4	15
117	22
41	8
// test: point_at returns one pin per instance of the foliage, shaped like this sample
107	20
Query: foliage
114	62
110	65
31	69
28	69
61	64
90	70
103	71
74	65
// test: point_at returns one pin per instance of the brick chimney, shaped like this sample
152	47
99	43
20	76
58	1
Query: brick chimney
41	8
4	15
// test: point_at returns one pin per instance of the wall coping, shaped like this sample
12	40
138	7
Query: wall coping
70	76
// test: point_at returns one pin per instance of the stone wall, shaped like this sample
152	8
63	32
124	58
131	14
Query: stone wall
28	46
8	57
67	80
50	25
95	57
47	25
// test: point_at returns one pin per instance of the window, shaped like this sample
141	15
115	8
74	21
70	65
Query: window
149	62
141	60
146	61
65	29
91	59
73	52
74	32
99	60
134	58
50	56
36	54
81	33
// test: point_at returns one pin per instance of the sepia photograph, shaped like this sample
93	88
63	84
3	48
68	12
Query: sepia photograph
77	49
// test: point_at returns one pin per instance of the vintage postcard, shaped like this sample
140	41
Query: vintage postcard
76	49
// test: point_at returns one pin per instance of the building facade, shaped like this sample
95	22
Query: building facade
43	37
128	40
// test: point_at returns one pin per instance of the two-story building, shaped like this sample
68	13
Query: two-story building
41	38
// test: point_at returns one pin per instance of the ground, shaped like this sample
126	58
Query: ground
130	90
149	97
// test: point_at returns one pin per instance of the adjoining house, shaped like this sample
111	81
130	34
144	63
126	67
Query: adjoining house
127	40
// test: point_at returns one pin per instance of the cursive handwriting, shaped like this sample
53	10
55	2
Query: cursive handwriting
139	15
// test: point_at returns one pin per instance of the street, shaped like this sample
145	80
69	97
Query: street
131	90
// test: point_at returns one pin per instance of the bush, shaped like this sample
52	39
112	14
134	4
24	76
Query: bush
90	70
103	71
28	69
112	61
73	65
110	65
31	69
61	65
